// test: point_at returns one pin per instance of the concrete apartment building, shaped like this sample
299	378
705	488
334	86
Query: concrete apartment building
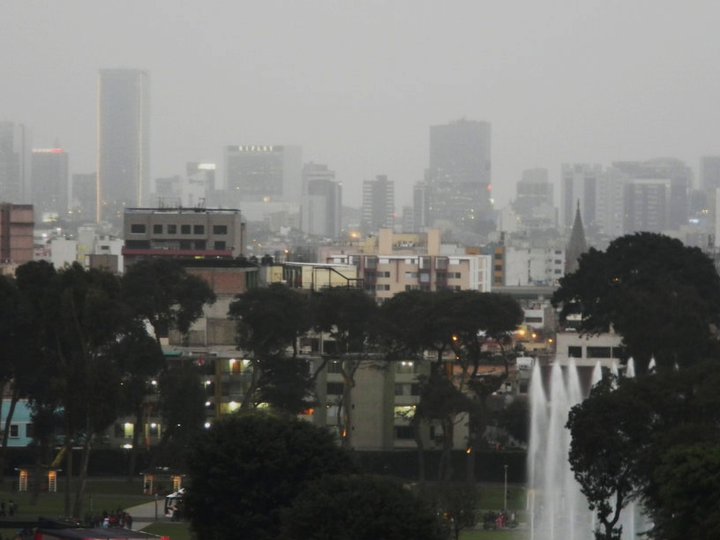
183	233
16	234
390	263
533	266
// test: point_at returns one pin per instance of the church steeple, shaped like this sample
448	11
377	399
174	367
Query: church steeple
577	245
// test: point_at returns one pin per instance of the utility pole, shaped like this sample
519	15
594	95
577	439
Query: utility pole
505	498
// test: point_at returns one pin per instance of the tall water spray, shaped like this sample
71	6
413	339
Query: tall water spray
557	509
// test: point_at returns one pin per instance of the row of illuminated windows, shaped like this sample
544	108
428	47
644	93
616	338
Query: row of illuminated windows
172	228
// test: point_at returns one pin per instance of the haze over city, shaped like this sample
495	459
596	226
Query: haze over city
357	84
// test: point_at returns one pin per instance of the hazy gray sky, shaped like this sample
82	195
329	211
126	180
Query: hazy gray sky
357	83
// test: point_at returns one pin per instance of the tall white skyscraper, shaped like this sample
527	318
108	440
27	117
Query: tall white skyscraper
123	141
14	163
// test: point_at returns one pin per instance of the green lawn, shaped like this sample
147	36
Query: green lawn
102	494
492	497
113	494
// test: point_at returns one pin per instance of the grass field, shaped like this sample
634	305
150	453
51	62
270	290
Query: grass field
101	494
112	494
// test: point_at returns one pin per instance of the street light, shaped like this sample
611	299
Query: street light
505	498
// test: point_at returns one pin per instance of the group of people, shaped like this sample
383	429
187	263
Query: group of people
119	518
499	520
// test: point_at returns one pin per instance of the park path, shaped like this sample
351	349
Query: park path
146	514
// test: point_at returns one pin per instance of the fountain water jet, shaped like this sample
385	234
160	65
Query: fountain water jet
557	509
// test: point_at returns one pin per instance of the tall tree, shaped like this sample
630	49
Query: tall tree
182	408
604	462
79	316
40	373
661	296
349	317
463	323
484	324
140	358
163	293
94	317
18	352
440	403
648	438
269	322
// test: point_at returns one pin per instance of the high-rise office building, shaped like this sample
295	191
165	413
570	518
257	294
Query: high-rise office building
647	205
460	175
50	182
123	141
83	205
14	162
322	201
534	203
263	173
421	206
710	173
378	205
580	186
676	172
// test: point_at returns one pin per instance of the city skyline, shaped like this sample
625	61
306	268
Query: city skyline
564	83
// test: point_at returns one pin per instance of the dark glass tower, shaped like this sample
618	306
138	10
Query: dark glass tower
459	176
123	141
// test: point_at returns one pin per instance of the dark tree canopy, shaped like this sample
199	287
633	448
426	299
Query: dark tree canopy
286	385
182	408
247	468
652	438
359	508
348	315
689	486
79	316
269	320
661	296
161	291
414	321
604	460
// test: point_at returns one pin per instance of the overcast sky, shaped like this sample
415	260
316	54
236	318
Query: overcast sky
358	83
